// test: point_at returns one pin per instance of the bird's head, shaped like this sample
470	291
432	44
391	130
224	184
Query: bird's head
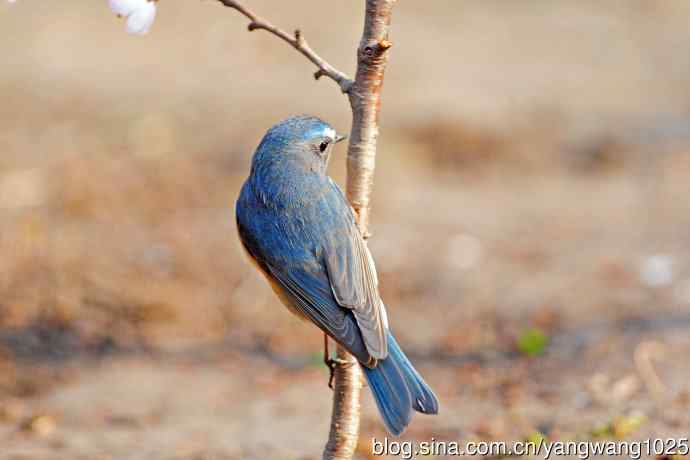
306	140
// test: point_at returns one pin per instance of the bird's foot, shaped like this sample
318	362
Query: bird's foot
331	363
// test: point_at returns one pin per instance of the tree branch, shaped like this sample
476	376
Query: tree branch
297	41
342	439
365	100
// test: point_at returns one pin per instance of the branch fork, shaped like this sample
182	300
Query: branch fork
297	41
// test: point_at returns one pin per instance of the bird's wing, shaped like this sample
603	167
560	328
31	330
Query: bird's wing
354	283
353	280
311	296
304	286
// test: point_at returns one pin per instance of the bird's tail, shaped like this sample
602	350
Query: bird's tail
398	389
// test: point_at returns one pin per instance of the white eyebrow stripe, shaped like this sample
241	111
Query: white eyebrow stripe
330	133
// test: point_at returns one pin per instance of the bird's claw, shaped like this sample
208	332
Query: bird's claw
331	363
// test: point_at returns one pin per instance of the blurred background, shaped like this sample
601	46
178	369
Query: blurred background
531	224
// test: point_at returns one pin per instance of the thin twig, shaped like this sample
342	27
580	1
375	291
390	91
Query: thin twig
297	41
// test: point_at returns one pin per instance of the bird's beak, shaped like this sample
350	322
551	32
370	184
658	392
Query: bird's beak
340	137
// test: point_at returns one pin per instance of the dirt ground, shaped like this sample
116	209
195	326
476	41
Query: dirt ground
530	225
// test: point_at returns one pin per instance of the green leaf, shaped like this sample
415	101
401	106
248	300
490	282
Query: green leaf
532	342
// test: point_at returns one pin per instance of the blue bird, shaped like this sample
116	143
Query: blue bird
298	228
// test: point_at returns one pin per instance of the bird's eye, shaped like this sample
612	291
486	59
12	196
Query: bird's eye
323	146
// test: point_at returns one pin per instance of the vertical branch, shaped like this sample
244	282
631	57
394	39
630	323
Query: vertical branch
365	100
342	440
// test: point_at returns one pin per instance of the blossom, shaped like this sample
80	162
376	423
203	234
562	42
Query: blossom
139	13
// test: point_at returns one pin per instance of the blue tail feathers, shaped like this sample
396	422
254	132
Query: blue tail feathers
398	389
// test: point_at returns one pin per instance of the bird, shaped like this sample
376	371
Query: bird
299	230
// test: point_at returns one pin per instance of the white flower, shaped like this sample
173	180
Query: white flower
139	13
